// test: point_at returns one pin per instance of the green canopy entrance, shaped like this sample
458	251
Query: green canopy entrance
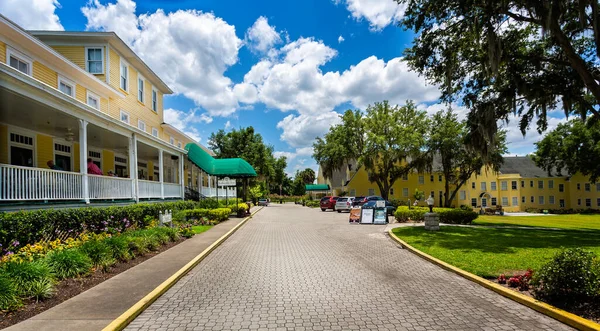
316	187
233	168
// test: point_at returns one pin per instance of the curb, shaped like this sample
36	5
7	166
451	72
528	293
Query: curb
122	321
544	308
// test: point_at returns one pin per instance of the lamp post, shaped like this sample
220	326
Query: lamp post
430	202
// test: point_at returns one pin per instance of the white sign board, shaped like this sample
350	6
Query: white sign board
226	182
366	216
380	204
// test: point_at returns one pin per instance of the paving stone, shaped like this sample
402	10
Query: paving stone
296	268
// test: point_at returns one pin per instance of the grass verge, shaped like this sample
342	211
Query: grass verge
201	228
489	252
571	221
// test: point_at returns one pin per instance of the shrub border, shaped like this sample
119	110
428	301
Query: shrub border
128	316
542	307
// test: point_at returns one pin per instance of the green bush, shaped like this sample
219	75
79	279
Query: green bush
572	274
119	246
457	216
9	299
24	274
197	214
69	263
100	253
207	204
219	214
160	235
29	227
41	289
137	246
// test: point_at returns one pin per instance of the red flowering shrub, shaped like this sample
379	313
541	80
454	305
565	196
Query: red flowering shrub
519	281
502	279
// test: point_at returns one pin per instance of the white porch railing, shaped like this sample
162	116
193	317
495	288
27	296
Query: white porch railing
104	187
148	189
24	183
223	192
172	190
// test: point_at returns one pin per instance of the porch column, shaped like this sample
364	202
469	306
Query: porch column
209	186
200	181
133	173
181	179
161	176
83	160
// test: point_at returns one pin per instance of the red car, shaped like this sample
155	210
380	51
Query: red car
328	203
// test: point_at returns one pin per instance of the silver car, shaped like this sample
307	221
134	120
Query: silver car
343	204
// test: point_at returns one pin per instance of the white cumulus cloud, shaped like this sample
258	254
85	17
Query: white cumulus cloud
261	37
379	13
32	14
185	121
340	39
301	130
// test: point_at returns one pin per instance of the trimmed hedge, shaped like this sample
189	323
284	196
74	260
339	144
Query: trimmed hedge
447	215
29	227
219	214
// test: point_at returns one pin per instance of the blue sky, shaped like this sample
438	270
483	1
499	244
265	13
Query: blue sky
284	67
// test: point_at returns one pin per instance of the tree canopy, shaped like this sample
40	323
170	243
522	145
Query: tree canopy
573	147
504	57
448	142
388	141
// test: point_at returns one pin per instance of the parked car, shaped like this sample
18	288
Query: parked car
344	203
328	203
263	202
357	201
367	199
390	208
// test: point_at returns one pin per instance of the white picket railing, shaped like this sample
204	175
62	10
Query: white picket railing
223	192
172	190
25	183
104	187
148	189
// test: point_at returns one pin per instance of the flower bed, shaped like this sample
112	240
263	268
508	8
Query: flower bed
447	215
18	229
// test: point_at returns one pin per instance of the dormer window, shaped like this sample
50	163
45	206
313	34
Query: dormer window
94	63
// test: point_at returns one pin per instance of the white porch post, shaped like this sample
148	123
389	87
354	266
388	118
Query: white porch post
200	181
181	176
161	176
133	173
209	186
83	159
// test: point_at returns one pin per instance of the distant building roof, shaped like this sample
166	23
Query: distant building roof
524	166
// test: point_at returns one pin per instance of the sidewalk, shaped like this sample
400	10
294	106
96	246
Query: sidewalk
99	306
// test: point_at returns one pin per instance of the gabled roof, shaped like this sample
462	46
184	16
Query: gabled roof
234	167
524	166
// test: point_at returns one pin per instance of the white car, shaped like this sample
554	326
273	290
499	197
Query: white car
343	204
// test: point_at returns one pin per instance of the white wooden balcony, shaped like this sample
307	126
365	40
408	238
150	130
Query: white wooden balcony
148	189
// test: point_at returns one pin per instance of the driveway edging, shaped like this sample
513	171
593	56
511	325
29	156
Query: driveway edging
544	308
122	321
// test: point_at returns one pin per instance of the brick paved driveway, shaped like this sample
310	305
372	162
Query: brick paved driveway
295	268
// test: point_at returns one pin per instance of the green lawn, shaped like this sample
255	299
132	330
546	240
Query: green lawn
489	252
201	228
574	221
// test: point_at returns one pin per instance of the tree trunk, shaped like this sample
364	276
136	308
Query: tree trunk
446	192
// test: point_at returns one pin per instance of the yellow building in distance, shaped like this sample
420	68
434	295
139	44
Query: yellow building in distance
518	186
67	97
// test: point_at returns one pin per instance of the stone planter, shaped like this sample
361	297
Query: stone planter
432	221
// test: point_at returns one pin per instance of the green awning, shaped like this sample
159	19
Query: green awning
317	187
234	167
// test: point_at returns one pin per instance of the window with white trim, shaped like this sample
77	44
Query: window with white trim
96	156
124	117
62	155
483	186
405	191
94	60
550	184
551	199
504	185
19	61
561	203
154	100
540	184
587	187
483	202
588	202
421	180
66	86
171	141
493	186
515	201
124	76
21	149
505	201
473	202
142	125
494	201
463	195
523	199
541	200
141	89
179	144
155	132
93	100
